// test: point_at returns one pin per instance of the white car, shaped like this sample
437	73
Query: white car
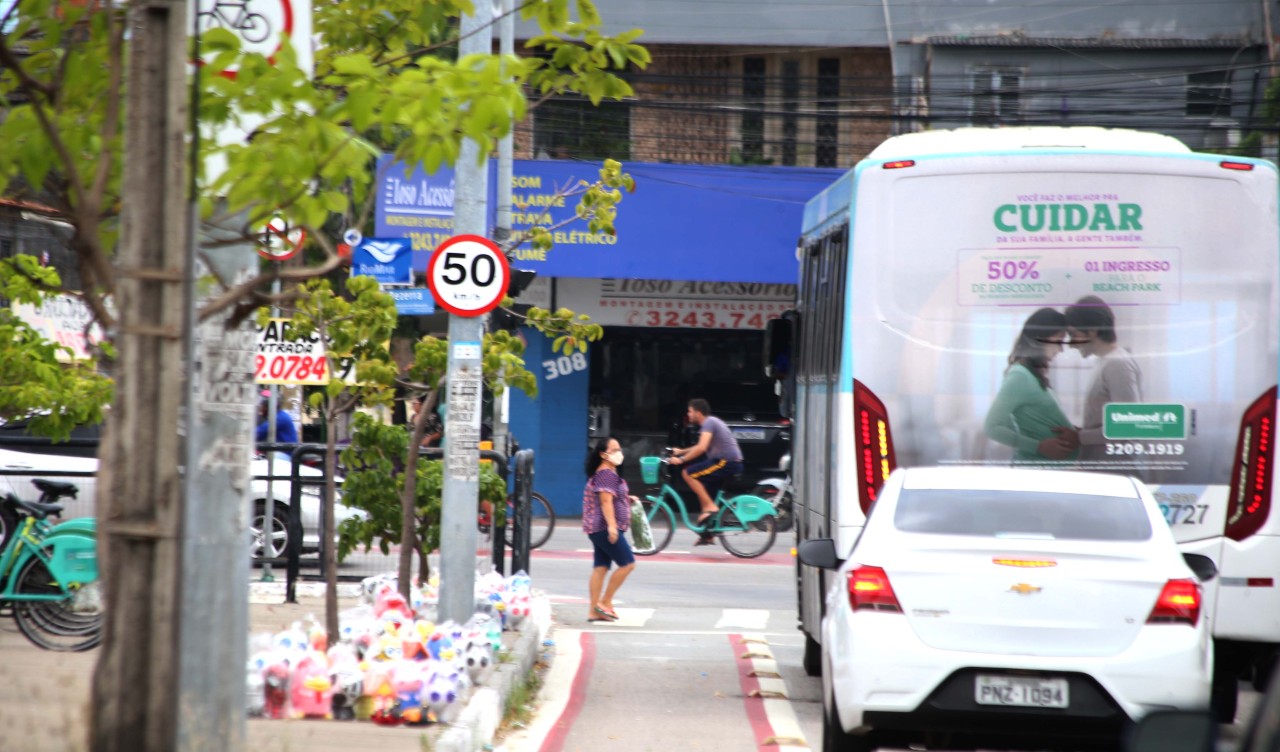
1008	608
18	468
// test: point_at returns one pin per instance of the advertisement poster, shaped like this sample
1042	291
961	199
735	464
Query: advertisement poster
1185	265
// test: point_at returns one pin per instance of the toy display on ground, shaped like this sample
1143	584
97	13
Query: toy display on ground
393	663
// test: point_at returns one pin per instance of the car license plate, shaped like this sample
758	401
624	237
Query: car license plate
748	434
1021	691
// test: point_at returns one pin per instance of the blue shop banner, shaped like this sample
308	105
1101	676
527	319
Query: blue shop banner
684	222
388	260
414	205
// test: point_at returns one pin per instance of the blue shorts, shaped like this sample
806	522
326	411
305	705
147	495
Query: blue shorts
713	474
611	553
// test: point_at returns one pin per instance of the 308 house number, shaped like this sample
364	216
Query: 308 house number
564	365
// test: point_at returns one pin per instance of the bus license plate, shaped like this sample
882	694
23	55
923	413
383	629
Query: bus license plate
748	434
1021	691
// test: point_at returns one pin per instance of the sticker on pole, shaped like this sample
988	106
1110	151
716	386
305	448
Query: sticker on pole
279	241
468	275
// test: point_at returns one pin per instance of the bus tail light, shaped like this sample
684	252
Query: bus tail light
874	444
1249	501
1179	603
869	589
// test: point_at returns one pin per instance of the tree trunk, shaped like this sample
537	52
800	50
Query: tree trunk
408	501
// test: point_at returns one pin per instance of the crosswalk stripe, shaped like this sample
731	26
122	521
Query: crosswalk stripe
743	618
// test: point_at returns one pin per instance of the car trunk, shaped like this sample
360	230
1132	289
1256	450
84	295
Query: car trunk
1085	604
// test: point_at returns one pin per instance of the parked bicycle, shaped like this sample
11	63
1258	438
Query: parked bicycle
49	572
542	521
746	525
780	493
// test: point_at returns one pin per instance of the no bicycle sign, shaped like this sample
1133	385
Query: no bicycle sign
261	25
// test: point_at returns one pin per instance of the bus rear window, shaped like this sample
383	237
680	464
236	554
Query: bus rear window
1020	514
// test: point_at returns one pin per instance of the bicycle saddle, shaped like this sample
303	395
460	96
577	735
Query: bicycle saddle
56	488
36	509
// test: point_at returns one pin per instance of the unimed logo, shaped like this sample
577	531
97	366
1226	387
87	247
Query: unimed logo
1138	420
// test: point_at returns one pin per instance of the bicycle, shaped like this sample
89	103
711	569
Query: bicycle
746	525
542	521
49	572
254	27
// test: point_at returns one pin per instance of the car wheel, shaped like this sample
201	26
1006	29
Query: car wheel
834	737
1225	692
278	534
812	660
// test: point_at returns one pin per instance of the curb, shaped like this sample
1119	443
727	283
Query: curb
477	724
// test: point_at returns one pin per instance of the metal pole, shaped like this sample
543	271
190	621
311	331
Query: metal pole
458	534
269	510
502	223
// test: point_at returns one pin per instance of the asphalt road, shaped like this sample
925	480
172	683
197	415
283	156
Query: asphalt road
691	664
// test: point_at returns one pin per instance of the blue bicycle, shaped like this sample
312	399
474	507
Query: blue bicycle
746	525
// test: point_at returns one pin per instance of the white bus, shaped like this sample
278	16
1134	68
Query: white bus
917	271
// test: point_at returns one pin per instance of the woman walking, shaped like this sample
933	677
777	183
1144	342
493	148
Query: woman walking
606	515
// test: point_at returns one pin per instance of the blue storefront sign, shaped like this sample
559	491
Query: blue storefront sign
388	260
413	301
684	222
414	205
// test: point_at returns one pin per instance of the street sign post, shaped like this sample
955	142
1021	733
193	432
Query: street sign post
468	275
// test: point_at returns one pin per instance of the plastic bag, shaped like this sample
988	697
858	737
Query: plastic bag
641	533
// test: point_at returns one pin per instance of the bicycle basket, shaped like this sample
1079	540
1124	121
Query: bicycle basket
649	468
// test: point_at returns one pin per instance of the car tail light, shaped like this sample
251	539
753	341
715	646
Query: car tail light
1249	502
874	444
869	589
1179	603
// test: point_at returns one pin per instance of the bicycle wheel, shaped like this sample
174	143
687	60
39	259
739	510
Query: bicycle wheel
70	624
255	28
661	525
749	540
542	521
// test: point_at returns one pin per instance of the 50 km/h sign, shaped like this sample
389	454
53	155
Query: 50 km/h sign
468	275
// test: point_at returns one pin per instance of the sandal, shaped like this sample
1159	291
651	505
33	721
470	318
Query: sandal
606	615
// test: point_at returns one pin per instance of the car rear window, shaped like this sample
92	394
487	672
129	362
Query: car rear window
1019	514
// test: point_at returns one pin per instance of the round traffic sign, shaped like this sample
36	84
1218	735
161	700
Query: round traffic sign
468	275
280	242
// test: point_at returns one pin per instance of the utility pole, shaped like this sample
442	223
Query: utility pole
502	222
139	501
458	533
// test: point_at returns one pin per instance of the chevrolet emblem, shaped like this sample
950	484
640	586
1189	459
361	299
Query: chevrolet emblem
1023	588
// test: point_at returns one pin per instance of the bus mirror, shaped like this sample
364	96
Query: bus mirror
777	346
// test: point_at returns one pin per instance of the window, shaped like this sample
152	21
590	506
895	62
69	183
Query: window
827	130
572	128
995	96
753	92
6	247
790	106
1209	94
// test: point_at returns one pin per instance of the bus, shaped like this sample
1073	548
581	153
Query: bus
918	269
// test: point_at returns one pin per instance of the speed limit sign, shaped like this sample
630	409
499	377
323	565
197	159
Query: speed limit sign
468	275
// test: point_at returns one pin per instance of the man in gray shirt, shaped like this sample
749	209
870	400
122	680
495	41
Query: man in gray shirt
721	459
1092	327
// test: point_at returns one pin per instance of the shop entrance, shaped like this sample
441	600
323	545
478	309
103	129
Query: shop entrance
642	379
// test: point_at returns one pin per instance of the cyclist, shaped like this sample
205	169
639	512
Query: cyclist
721	460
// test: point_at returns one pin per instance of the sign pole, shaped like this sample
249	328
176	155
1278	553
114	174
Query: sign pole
458	534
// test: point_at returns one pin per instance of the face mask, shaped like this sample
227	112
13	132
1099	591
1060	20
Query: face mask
614	458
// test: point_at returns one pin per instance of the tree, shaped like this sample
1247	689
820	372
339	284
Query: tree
384	78
39	382
353	331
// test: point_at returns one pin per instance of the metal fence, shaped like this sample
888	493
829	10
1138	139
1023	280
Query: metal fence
301	561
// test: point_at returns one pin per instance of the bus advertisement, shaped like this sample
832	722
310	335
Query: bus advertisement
1144	276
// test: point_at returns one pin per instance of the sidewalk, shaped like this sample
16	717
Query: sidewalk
44	696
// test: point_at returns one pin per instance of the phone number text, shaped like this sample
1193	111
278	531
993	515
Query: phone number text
700	319
1140	447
